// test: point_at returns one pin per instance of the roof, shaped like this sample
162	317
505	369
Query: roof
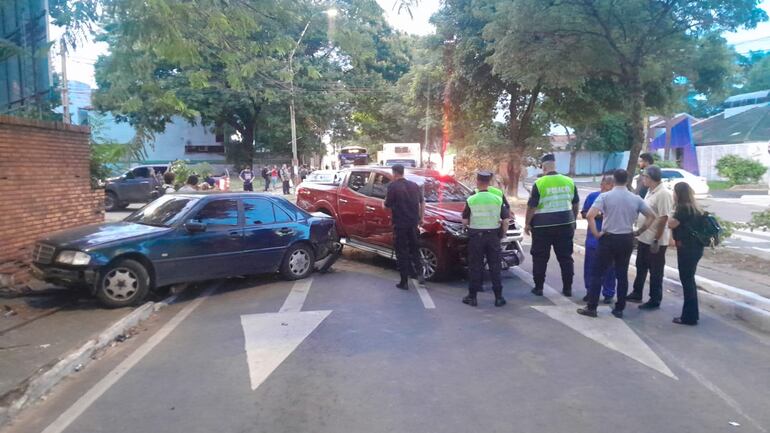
752	95
749	126
407	170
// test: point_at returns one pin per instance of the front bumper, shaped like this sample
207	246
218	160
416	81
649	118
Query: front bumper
66	276
511	251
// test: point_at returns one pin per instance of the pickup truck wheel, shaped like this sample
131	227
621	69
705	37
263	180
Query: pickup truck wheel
432	268
298	262
122	284
111	201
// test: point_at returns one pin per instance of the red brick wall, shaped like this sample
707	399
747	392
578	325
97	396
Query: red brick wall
44	184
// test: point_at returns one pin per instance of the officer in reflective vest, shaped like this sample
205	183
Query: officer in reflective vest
485	215
551	212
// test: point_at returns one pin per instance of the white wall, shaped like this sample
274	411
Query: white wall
709	155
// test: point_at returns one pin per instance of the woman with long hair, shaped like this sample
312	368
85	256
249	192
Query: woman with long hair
689	249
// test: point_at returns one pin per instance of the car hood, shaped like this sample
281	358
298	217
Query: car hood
90	236
450	211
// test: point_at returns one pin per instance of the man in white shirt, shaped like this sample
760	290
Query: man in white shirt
653	242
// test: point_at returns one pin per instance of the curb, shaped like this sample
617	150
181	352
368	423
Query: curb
47	377
726	300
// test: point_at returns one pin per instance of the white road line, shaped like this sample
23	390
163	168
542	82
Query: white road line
764	250
86	400
749	239
427	301
297	296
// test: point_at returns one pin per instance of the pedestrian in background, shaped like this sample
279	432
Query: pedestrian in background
486	217
248	178
652	244
405	201
286	179
168	182
551	212
620	209
689	249
592	245
274	177
266	176
191	185
645	160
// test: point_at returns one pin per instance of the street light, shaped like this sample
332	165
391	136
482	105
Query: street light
331	13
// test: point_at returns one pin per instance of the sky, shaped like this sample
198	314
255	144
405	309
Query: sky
80	62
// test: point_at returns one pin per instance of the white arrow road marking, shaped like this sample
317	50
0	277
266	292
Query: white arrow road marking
427	301
271	337
608	331
297	296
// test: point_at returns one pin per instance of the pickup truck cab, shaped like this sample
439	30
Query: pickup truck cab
137	185
356	201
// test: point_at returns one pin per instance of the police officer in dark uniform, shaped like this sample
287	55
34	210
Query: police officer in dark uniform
407	204
551	212
486	217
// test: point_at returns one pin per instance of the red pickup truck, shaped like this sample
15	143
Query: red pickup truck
356	201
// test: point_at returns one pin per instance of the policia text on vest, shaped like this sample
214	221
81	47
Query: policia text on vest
551	213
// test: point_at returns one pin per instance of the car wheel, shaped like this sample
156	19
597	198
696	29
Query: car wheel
432	267
298	262
111	201
122	284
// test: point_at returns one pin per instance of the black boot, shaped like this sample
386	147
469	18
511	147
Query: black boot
470	300
403	285
537	291
499	300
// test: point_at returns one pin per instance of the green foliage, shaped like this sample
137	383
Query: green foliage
728	228
183	170
758	76
760	221
660	162
719	185
740	170
107	156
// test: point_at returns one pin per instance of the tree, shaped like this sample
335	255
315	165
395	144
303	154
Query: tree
637	43
758	77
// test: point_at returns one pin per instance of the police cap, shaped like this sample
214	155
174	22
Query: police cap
548	157
484	176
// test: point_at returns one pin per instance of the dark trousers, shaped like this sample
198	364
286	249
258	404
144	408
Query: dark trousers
484	244
286	187
608	282
407	252
687	259
267	183
655	264
614	251
248	186
561	239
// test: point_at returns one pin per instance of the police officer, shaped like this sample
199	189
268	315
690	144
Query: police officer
486	218
551	212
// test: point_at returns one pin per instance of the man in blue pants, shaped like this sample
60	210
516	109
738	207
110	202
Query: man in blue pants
592	246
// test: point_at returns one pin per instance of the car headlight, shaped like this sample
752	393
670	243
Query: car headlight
74	258
455	229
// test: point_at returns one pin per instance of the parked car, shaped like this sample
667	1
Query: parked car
322	176
183	238
356	202
671	176
137	185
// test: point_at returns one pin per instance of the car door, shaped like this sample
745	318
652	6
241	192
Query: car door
262	235
377	218
137	185
215	252
351	199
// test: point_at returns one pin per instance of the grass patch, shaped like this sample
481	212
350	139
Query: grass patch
719	185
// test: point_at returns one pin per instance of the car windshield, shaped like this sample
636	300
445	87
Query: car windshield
441	189
163	212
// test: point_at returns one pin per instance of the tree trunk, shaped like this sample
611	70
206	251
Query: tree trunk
572	153
247	141
515	171
636	117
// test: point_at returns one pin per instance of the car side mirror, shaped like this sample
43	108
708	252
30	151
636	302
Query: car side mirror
195	226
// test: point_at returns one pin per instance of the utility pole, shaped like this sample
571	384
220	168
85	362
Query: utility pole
65	100
427	123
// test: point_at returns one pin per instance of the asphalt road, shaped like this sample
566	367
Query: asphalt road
348	352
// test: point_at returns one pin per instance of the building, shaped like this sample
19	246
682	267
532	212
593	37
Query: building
181	139
743	129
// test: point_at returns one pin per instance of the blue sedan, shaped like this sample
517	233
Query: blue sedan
184	238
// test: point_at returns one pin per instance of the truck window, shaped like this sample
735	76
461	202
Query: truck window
357	180
380	186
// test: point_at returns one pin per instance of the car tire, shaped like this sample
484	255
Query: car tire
434	269
122	284
111	201
298	262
